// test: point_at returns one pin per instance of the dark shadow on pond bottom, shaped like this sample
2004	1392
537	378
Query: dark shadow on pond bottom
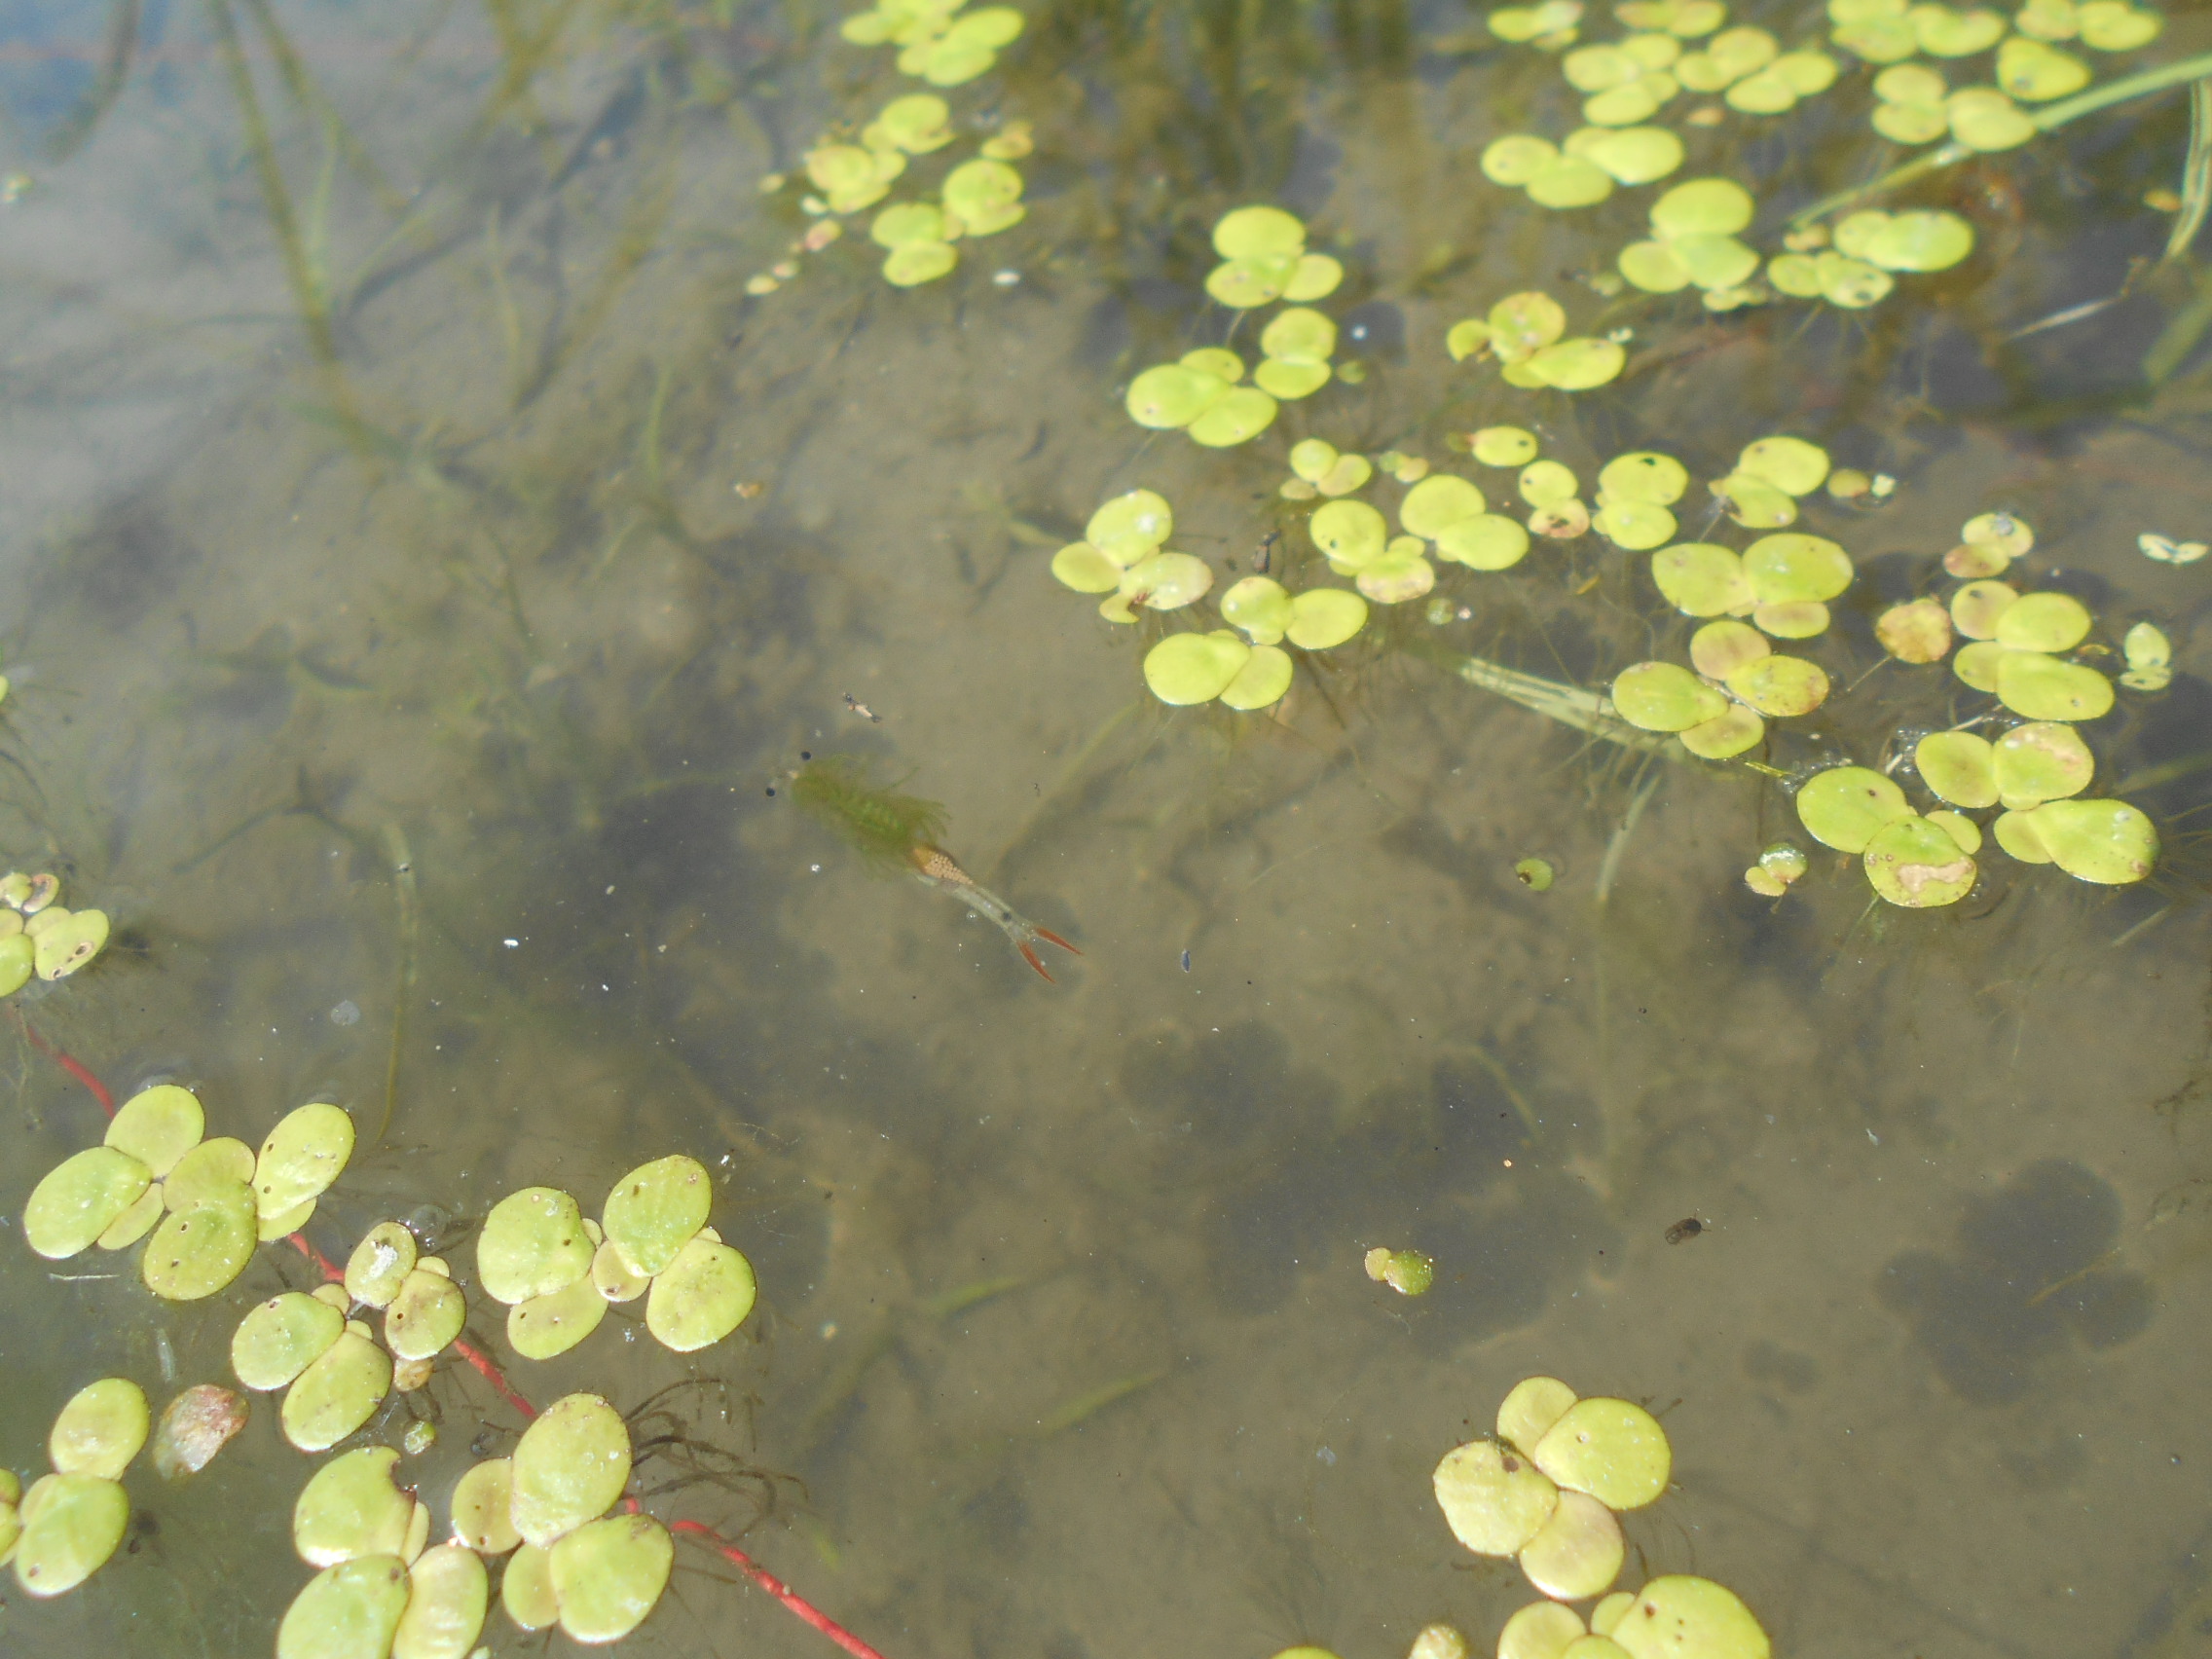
2029	1273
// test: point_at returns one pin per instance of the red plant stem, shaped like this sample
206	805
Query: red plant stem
776	1587
475	1356
69	1063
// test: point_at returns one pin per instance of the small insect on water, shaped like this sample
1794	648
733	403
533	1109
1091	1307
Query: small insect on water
862	709
1689	1227
1266	547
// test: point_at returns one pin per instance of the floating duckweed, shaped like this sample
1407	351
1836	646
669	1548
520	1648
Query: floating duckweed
1523	331
482	1507
1437	502
1920	240
1186	669
1503	446
1261	683
934	45
1702	207
1628	155
2046	20
1918	865
1959	767
1680	1617
71	1524
1409	1272
1701	579
1260	606
2114	25
1792	619
339	1391
1637	526
1264	259
2043	622
79	1199
1642	475
1660	697
2039	688
914	263
2108	842
568	1467
1943	31
1544	481
1780	687
1399	574
305	1152
200	1250
347	1611
851	177
1719	649
653	1211
2150	658
446	1593
1131	526
134	1223
1350	532
101	1428
1488	542
545	1326
1494	1503
1612	1450
380	1263
206	1171
158	1125
1529	1408
1323	618
982	197
194	1426
1777	89
609	1575
2040	761
907	222
1962	830
1982	118
916	124
702	1296
1792	465
1242	413
281	1337
1912	108
426	1315
1578	1551
1780	868
350	1508
1918	630
2036	73
1844	806
533	1243
1794	567
1545	1630
1082	568
526	1588
1548	22
2167	551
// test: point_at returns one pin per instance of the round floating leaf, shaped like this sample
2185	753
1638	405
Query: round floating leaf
426	1314
1082	568
1977	607
1288	382
446	1593
1315	276
1184	669
195	1252
1214	360
1982	118
914	263
1844	806
1797	619
134	1223
2037	73
1494	1500
482	1515
1793	566
708	1290
211	1168
1529	1408
1931	240
908	223
350	1508
72	940
1780	687
2041	761
1437	502
1562	521
533	1243
1242	284
917	122
1312	457
304	1154
1715	262
1485	542
1918	865
1503	446
158	1125
1702	207
1977	664
1577	365
1627	105
547	1325
1945	32
1701	579
1570	181
1964	832
1400	574
1659	696
1261	683
1635	155
284	1223
1323	618
1959	767
2104	841
1654	266
281	1338
1300	335
2114	25
79	1199
1250	232
1523	323
526	1589
1634	524
380	1264
1719	649
1350	532
1171	395
1912	122
71	1524
339	1391
1612	1450
1164	581
1543	1630
1679	1617
1515	159
194	1426
653	1211
1643	476
2039	688
1242	413
1726	735
1851	283
1131	526
568	1467
1792	465
1260	606
1918	630
609	1575
1350	473
1578	1551
1755	503
1542	481
19	958
348	1612
2043	622
2016	833
100	1430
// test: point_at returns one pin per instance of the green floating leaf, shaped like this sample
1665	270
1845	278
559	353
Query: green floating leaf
446	1593
1614	1449
533	1243
304	1154
1323	618
350	1508
1959	767
1844	806
71	1524
608	1576
703	1295
482	1507
2108	842
526	1588
339	1391
79	1199
2040	687
568	1467
1660	697
100	1430
1493	1504
158	1125
1918	865
426	1315
544	1326
348	1612
1678	1617
2042	760
198	1251
655	1211
380	1264
281	1338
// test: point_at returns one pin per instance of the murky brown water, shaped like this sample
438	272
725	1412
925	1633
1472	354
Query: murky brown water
537	553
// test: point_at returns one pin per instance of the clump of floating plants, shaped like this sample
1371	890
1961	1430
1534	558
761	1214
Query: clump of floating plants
65	1526
206	1202
1409	1272
38	936
939	43
1526	334
1547	1490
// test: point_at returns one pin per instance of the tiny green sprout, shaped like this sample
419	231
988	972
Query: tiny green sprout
1503	446
71	1525
1918	630
1409	1272
2115	26
1680	1617
102	1427
1779	868
568	1469
2167	551
1013	142
2150	658
1536	874
1844	806
1793	568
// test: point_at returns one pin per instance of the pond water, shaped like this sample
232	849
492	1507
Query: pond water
430	562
